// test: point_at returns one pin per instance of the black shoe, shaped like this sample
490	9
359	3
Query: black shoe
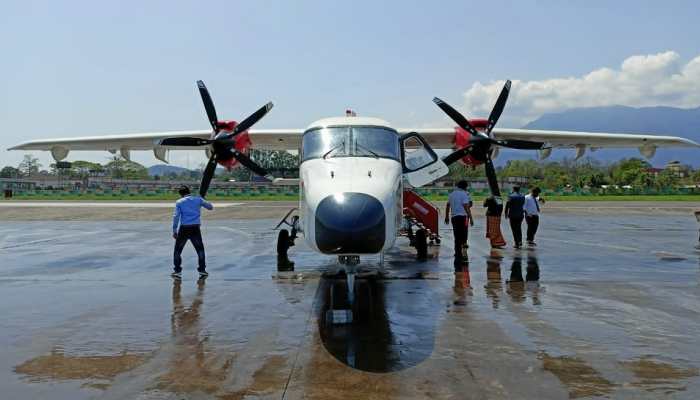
176	275
203	274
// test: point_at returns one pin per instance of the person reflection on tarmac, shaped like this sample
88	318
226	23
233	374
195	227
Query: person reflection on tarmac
462	286
192	367
516	284
493	277
532	277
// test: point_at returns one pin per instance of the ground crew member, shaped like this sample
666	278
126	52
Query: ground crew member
460	203
186	222
493	222
532	215
515	214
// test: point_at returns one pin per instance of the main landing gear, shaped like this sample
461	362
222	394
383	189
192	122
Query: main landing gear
285	240
419	240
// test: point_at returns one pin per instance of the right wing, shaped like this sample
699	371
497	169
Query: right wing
443	138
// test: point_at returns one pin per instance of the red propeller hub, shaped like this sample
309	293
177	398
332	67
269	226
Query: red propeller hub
462	139
242	143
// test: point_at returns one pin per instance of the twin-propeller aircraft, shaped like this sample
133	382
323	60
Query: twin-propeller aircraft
353	169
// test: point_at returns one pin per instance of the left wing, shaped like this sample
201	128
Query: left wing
443	138
269	139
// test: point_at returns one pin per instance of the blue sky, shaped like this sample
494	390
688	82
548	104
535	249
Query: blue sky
74	68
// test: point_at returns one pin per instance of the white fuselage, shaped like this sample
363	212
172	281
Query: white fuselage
350	200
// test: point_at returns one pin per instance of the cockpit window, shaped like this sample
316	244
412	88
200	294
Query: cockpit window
355	141
326	142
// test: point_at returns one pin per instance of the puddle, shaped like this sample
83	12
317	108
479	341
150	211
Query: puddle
99	371
581	379
653	375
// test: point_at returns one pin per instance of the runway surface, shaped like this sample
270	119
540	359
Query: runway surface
607	306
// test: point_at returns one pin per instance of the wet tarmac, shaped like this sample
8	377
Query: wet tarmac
607	306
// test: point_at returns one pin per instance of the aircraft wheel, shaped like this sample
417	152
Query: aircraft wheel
421	244
282	242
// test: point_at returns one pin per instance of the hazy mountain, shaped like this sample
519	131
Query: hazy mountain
619	119
164	169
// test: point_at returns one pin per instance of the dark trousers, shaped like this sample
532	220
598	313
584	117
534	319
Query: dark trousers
533	221
460	231
516	224
194	235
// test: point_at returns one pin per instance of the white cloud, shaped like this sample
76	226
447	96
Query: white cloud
643	80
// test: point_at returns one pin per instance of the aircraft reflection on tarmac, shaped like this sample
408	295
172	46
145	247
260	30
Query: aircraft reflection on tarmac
387	333
395	320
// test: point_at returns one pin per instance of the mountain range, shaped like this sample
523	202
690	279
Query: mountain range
683	122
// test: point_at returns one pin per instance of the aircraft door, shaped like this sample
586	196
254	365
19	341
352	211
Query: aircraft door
420	163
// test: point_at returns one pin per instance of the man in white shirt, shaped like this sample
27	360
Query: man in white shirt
460	203
532	214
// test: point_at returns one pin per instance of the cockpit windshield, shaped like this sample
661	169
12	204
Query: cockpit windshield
354	141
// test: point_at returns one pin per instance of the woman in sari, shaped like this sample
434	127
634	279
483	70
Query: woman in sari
493	222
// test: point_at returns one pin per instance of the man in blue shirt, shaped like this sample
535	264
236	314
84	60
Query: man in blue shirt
186	221
515	214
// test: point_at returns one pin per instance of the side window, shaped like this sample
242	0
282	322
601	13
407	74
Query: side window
416	154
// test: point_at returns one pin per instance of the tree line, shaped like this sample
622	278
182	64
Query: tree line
584	173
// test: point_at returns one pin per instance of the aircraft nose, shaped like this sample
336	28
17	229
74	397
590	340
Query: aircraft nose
350	223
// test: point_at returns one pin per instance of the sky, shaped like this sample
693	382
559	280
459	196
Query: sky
75	68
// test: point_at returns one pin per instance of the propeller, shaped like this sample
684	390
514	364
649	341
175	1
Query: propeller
222	144
481	144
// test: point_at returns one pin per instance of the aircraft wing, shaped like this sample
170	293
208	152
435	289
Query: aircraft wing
443	138
268	139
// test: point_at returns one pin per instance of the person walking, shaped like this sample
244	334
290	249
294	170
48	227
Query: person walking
493	222
186	223
460	203
532	215
515	215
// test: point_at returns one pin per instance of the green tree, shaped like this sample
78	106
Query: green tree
667	179
632	171
9	172
522	168
120	168
30	165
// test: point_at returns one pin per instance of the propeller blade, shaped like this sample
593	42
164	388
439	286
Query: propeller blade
457	155
458	118
185	141
250	164
207	176
208	105
519	144
492	177
248	122
498	108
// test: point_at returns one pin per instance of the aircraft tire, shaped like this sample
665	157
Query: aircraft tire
282	242
421	244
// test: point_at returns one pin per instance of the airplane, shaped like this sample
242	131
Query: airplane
353	169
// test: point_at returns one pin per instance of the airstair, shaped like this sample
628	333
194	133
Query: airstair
420	214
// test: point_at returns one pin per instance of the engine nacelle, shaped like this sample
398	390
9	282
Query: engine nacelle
463	137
